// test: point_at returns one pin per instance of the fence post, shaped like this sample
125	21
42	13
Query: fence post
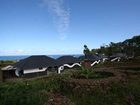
1	75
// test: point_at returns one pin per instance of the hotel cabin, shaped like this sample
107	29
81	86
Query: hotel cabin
35	66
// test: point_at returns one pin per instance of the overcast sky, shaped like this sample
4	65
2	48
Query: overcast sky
63	26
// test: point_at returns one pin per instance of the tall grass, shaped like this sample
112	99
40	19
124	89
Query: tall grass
34	92
21	93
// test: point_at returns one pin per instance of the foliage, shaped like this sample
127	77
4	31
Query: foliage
82	73
130	47
86	50
6	61
54	84
86	72
21	93
90	73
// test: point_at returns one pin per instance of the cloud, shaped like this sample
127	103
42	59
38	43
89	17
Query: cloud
11	52
61	15
18	51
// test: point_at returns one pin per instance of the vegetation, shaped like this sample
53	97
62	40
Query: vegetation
22	93
86	73
27	92
129	47
86	50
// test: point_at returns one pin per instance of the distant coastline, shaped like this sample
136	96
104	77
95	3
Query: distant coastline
19	57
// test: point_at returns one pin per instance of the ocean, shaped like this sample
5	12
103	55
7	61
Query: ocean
25	56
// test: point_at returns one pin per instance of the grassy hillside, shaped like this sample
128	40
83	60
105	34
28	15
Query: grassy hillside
51	90
36	92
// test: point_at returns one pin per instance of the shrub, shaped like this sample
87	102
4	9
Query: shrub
86	72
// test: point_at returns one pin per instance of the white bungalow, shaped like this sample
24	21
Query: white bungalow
67	61
32	66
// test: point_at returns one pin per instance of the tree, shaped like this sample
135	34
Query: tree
86	50
129	47
94	51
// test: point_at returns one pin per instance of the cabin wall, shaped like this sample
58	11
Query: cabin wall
35	74
27	71
8	74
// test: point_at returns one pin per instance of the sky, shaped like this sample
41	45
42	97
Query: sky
47	27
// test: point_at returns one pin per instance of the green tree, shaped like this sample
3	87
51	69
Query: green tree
86	51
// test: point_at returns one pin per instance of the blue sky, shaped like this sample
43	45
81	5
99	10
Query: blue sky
30	27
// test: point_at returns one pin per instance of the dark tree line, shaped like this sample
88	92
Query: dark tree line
129	47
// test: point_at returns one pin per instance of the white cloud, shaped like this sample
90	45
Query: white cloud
11	52
18	51
61	15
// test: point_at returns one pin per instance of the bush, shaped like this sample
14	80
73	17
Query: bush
86	72
19	94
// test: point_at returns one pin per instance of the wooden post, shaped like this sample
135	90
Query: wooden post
1	75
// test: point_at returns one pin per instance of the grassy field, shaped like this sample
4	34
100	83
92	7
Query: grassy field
37	91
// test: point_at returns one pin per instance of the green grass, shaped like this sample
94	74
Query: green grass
21	93
33	92
92	75
85	73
